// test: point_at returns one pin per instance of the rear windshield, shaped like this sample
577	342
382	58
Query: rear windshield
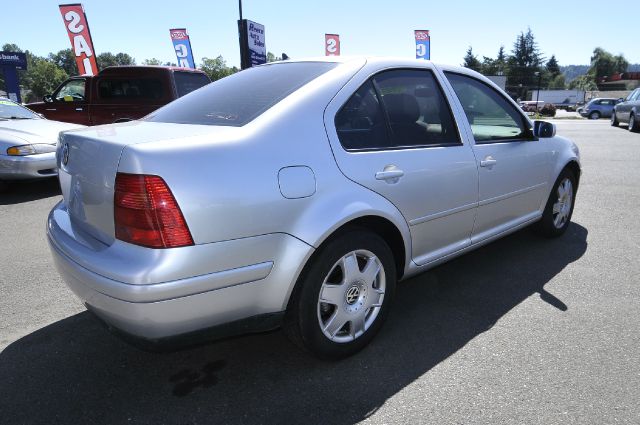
241	97
186	82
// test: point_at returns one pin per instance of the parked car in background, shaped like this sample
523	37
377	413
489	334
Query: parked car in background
531	105
116	94
628	111
27	143
300	201
600	107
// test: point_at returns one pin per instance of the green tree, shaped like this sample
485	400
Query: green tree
272	58
44	77
583	82
471	61
501	62
216	68
10	47
557	82
109	59
604	64
66	60
523	64
552	67
152	61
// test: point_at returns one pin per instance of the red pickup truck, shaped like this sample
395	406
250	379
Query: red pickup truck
119	93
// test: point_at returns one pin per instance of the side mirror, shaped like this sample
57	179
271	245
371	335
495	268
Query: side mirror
47	98
543	129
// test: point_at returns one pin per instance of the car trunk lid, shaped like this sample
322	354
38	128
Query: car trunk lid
88	161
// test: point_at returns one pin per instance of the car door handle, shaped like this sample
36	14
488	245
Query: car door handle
51	109
488	162
389	175
79	109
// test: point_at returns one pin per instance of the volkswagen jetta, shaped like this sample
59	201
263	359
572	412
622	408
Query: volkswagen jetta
297	194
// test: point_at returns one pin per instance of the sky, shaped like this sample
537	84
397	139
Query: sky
568	29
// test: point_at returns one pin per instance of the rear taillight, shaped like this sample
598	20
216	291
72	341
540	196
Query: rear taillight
147	214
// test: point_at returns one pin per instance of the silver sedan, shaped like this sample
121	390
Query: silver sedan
27	142
297	194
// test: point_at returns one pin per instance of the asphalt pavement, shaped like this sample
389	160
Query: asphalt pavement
522	331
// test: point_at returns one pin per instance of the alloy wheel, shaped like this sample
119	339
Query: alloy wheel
562	207
351	296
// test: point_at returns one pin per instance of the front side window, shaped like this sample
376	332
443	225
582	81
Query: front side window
394	110
491	116
130	89
72	91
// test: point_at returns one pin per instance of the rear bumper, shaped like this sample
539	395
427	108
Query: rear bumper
28	167
165	294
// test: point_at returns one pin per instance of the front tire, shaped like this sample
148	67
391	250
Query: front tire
559	208
343	296
595	115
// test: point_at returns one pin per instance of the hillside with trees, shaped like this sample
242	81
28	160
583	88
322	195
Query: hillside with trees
525	67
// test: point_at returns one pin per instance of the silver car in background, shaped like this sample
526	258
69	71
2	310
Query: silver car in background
297	194
27	143
628	112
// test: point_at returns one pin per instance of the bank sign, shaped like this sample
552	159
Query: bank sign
13	59
182	46
423	44
256	43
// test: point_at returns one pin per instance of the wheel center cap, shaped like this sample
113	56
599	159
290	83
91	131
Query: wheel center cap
352	294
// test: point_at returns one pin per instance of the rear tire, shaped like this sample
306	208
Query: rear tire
559	208
614	119
595	115
343	296
634	124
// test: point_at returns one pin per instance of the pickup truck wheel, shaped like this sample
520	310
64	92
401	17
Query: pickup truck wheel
343	296
634	125
595	115
614	119
559	208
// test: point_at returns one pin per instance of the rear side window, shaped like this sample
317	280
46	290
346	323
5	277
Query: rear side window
124	89
241	97
491	116
394	110
360	123
186	82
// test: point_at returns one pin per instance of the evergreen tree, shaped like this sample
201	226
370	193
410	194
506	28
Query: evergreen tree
553	67
523	64
471	61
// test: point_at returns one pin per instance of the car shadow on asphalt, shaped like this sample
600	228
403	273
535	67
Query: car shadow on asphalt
19	191
74	371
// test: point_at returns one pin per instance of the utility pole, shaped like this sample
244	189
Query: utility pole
241	36
539	74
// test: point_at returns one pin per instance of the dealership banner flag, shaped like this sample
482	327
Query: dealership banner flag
332	45
75	20
182	46
423	44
